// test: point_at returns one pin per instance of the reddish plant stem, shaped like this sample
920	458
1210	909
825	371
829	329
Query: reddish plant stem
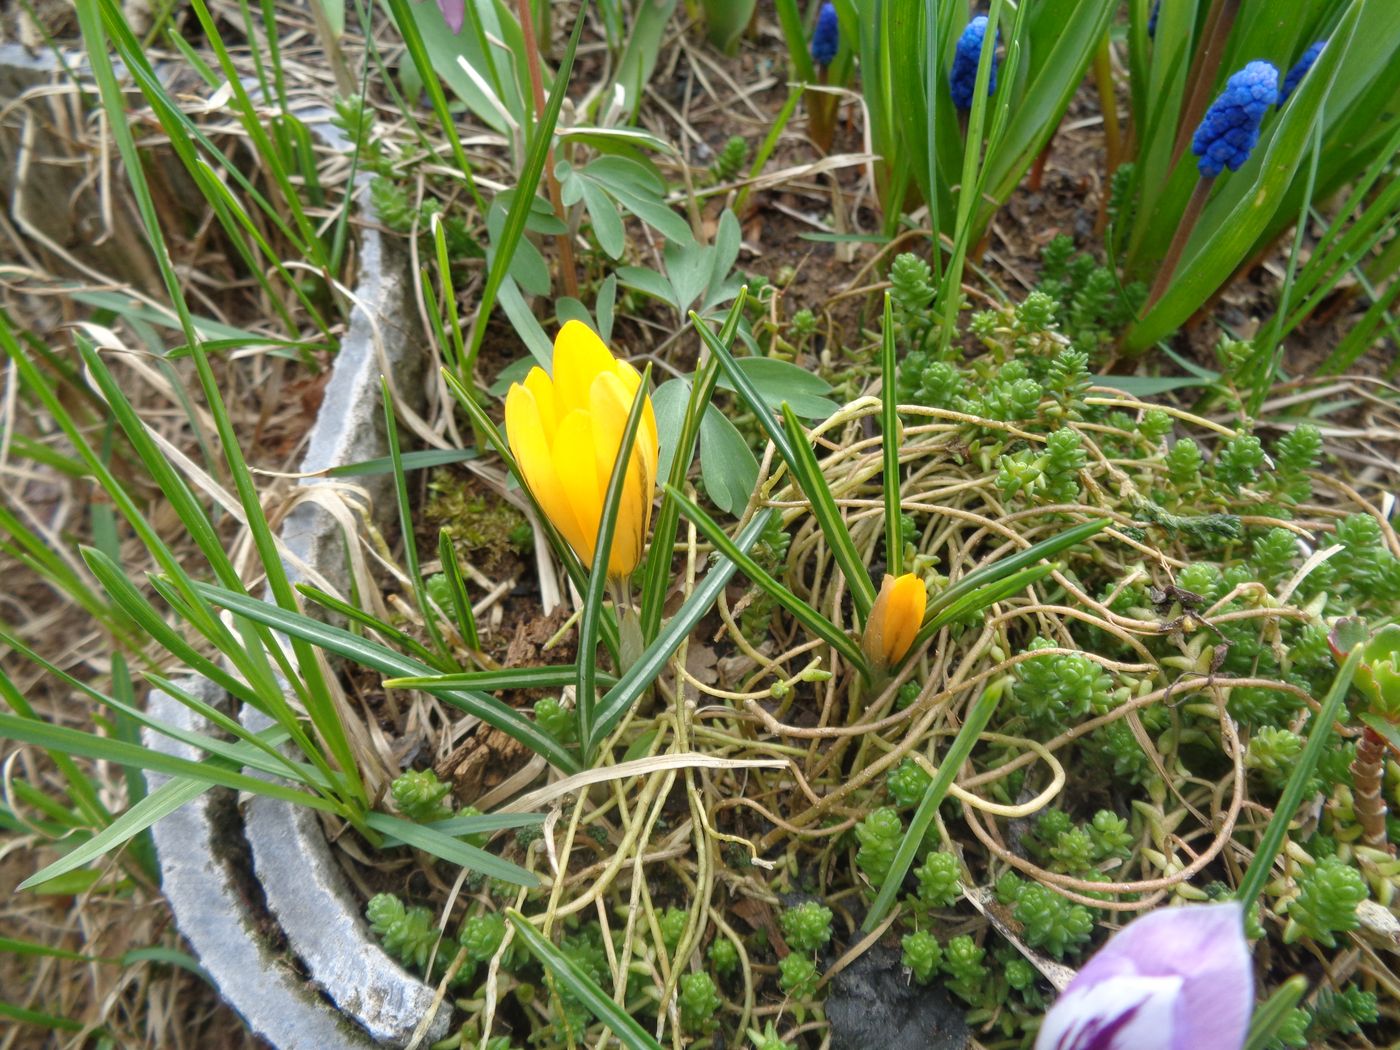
1183	233
532	61
1037	175
1204	67
1368	769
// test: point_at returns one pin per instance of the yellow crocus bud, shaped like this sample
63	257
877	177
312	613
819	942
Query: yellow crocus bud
894	620
565	433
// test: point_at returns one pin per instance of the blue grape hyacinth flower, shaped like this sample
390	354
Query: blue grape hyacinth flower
1152	20
826	37
1230	128
1295	75
963	79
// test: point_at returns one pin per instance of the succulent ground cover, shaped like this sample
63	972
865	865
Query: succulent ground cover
1121	444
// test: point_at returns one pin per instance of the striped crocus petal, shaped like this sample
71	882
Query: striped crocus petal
1174	979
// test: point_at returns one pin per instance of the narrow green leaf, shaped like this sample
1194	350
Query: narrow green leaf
934	795
582	987
452	850
889	444
808	474
801	611
1260	869
641	674
505	678
1269	1017
585	695
663	536
369	654
461	603
1001	569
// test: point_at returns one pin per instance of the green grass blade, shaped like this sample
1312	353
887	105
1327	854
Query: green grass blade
934	795
410	542
1001	569
387	662
355	614
889	444
461	603
1269	1017
585	696
1260	869
808	474
527	181
582	987
506	678
663	537
814	621
641	674
452	850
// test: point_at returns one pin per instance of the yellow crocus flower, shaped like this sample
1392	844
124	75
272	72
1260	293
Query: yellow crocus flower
894	620
565	433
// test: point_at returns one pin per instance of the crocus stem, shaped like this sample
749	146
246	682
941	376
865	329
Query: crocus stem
1038	168
1203	70
532	61
1179	239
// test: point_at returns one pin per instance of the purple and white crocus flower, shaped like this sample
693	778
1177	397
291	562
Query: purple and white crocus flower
1174	979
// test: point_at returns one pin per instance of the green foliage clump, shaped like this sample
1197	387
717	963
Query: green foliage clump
1272	753
672	924
807	927
1154	426
1296	453
768	1039
1036	312
922	954
482	936
421	797
1056	690
1051	922
1326	904
730	159
699	1002
797	976
1238	463
939	883
1110	834
555	719
907	783
408	934
723	956
962	961
1184	462
1275	555
911	292
879	835
1342	1012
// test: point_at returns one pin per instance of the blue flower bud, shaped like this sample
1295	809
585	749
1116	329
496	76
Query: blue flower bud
1152	20
1230	129
1299	69
826	36
963	79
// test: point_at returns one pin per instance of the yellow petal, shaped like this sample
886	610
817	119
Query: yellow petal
610	405
575	463
539	384
904	615
647	444
528	444
579	355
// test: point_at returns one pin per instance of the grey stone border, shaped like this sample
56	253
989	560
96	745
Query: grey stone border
203	847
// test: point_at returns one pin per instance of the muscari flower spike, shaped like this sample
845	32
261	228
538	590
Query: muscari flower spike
565	432
1174	979
826	37
1230	128
1295	75
1152	20
963	79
